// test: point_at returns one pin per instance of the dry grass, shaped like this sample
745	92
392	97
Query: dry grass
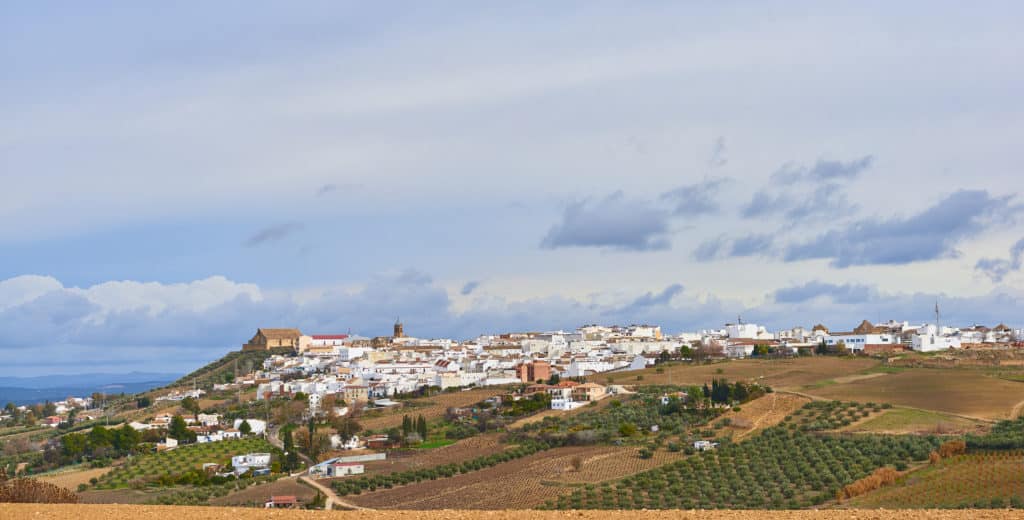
127	512
71	479
963	392
432	407
778	373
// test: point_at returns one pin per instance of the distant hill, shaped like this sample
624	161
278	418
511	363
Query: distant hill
29	390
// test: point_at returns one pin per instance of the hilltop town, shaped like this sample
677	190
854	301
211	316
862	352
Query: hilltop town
314	420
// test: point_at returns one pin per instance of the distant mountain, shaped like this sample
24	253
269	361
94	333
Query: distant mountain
29	390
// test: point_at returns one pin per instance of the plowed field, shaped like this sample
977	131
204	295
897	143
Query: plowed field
112	512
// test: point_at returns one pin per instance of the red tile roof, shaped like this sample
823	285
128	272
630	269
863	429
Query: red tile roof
330	336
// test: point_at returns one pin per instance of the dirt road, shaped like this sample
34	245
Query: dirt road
332	500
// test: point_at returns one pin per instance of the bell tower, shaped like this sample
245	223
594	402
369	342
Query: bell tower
399	333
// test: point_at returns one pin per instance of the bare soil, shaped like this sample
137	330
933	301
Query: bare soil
128	512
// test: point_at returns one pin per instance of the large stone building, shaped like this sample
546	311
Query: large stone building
533	371
266	339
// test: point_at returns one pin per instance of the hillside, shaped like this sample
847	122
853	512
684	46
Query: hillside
223	369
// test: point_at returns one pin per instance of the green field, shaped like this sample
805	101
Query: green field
156	469
910	420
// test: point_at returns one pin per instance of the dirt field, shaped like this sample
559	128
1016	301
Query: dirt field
435	407
258	495
106	512
71	479
958	391
778	373
519	484
763	412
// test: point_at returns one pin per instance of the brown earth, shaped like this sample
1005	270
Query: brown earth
763	412
258	495
125	512
969	393
791	373
519	484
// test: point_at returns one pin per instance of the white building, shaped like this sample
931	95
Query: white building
929	340
742	330
243	463
258	427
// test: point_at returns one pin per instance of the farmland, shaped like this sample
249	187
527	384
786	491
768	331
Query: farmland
761	413
72	479
780	468
967	392
156	468
257	495
127	512
974	480
522	483
458	452
910	420
429	407
792	373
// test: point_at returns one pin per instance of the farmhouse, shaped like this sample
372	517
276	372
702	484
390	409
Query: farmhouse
344	469
282	502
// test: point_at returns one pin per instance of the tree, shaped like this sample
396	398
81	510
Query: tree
190	404
143	402
554	379
49	409
740	392
761	350
100	437
421	427
291	458
347	426
126	438
407	425
245	427
74	445
179	430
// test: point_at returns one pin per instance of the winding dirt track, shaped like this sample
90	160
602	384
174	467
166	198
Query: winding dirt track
119	512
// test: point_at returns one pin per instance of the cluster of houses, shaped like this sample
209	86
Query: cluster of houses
370	370
207	428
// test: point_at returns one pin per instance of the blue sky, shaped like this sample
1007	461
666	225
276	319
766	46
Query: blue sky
176	176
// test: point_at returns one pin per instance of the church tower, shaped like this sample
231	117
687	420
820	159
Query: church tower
399	333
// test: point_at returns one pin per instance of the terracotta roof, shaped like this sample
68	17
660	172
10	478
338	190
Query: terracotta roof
280	333
329	336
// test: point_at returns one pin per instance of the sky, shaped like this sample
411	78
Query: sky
175	176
